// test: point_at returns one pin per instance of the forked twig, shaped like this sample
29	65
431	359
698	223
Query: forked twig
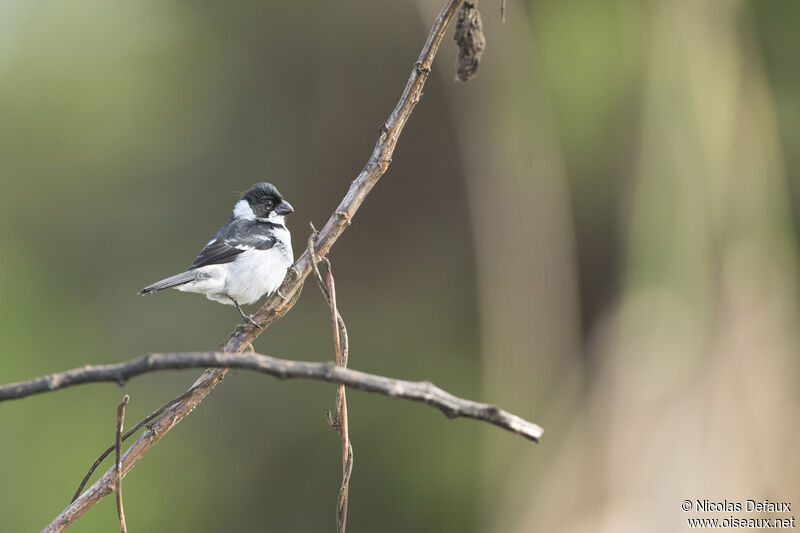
125	436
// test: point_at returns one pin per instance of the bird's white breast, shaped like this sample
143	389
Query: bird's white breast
255	273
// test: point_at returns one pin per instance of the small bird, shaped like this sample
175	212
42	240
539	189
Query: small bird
246	258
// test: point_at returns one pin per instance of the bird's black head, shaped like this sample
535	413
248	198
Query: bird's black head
265	200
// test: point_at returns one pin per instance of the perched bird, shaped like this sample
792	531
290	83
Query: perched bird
246	258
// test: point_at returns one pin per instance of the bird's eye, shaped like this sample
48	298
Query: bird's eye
269	204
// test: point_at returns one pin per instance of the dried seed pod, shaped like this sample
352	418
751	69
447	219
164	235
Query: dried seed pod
470	40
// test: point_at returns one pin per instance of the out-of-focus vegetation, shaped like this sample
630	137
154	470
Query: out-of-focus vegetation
599	233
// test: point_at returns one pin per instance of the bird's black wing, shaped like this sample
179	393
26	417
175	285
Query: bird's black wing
234	238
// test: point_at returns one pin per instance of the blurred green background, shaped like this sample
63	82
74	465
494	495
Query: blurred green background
599	233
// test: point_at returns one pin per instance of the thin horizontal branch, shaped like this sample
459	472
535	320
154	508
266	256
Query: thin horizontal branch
418	391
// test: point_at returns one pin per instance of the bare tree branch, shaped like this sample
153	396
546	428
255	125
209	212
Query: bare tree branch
419	391
340	423
118	464
276	306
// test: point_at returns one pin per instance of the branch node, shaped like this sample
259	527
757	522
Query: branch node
311	245
450	413
333	421
492	410
344	216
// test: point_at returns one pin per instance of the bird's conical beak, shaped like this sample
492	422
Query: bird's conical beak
284	208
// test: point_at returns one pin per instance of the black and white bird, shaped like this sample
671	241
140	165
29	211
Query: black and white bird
246	258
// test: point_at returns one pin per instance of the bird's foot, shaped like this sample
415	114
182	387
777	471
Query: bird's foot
281	295
249	320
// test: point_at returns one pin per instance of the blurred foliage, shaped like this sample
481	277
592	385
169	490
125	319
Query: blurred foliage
599	232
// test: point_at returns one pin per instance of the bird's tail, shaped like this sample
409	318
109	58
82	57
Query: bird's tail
172	281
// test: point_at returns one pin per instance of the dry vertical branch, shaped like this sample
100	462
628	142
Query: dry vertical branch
340	342
120	419
339	334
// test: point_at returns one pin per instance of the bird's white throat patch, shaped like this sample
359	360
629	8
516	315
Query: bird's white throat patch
276	218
